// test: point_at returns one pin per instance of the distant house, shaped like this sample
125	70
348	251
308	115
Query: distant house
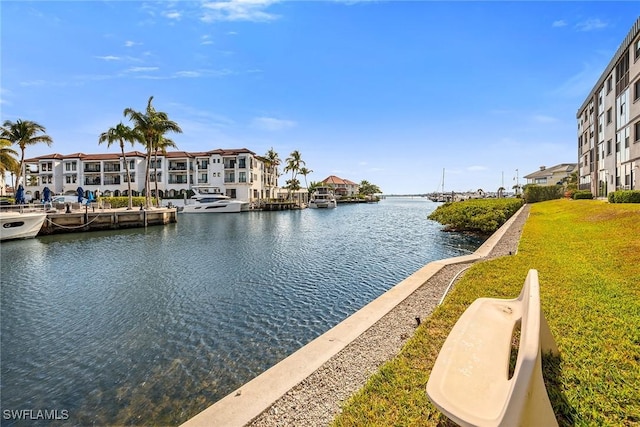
342	187
551	176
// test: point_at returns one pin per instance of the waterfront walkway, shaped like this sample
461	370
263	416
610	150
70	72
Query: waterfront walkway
309	387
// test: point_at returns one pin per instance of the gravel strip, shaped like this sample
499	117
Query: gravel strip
317	400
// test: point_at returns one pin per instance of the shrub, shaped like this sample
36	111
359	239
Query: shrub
582	194
477	215
540	193
624	196
123	202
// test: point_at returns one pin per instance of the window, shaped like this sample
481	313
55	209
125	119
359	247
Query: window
621	109
637	129
609	84
637	50
636	90
609	116
242	177
608	147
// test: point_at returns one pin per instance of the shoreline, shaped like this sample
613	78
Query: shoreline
316	398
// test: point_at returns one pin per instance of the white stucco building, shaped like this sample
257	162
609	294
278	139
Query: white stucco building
239	173
609	124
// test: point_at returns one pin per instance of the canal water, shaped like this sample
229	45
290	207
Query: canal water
149	327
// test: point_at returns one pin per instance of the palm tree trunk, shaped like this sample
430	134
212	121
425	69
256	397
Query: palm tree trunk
155	175
126	168
147	196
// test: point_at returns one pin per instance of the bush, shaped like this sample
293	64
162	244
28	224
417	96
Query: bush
123	202
624	196
582	194
477	215
540	193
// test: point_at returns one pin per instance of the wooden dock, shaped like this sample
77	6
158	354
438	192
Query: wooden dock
106	219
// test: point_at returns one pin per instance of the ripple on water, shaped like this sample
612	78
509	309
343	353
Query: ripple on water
157	324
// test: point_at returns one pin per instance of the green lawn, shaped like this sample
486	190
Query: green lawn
587	253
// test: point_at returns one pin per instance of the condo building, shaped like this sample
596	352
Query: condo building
238	173
609	124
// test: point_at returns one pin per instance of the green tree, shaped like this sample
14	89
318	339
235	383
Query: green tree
23	133
121	133
304	171
162	145
368	189
294	162
151	126
272	161
8	161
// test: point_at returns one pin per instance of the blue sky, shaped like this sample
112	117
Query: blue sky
391	92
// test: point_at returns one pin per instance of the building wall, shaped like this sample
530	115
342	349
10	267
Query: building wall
238	173
609	124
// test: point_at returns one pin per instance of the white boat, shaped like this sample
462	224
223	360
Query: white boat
16	225
211	200
322	197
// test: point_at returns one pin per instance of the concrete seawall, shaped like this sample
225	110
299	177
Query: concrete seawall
105	219
243	405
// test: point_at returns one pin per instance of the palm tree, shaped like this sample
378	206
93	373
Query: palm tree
304	171
162	145
151	125
272	161
8	161
121	133
23	133
294	161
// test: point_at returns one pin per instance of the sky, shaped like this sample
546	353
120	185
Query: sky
391	92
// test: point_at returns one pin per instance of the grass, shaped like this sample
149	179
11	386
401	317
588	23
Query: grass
587	254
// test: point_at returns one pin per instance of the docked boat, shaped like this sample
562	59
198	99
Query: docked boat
211	200
322	197
16	225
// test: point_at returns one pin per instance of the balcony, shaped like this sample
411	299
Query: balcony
92	168
112	181
112	168
92	181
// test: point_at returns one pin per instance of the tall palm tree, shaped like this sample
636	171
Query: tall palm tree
23	133
294	161
272	162
121	133
162	145
8	161
151	125
304	171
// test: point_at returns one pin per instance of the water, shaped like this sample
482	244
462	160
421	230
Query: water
152	326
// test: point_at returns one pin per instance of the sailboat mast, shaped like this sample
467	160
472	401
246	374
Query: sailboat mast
442	180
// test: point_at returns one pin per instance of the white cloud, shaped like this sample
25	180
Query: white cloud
237	10
174	14
141	69
109	58
130	43
559	23
591	24
206	39
188	74
477	168
272	124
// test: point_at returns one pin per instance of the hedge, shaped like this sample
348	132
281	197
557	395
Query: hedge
540	193
582	194
624	196
477	215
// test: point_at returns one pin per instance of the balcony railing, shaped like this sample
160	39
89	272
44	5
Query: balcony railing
92	169
92	181
114	181
109	168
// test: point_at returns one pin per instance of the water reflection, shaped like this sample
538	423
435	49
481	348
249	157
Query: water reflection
152	326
